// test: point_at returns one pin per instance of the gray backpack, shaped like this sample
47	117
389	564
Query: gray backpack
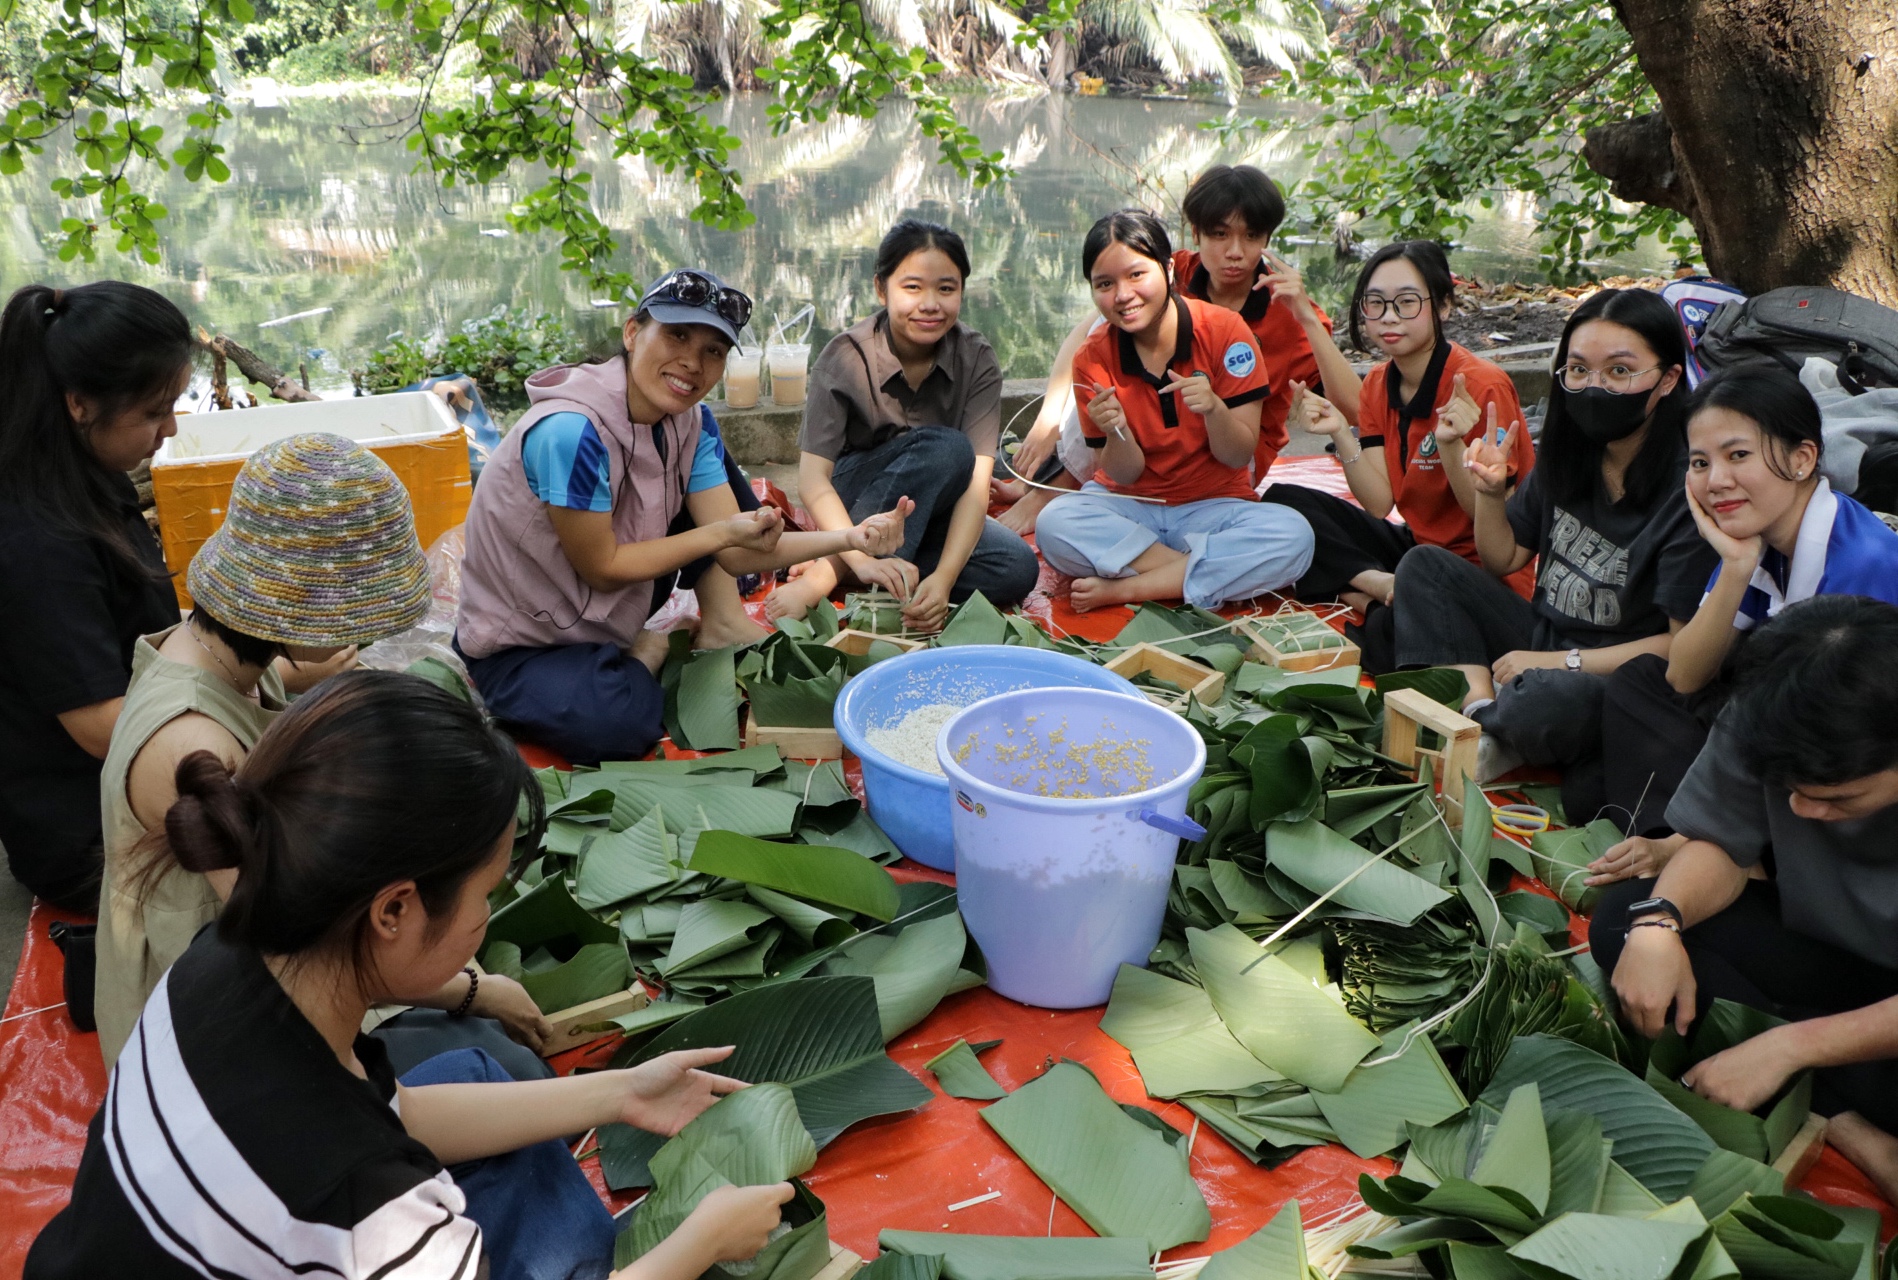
1789	325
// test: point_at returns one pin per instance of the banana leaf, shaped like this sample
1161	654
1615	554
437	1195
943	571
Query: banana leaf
1288	767
1352	810
974	621
1545	915
1515	1157
856	831
813	925
913	971
1415	1237
836	877
891	1265
793	683
708	701
660	1013
1727	1176
1262	681
597	969
1020	1257
1178	1043
747	810
711	928
625	864
1275	1251
1592	1246
1277	1013
1120	1176
962	1074
1623	1197
1264	1145
748	1139
1370	1113
1446	685
1759	1137
1561	859
1653	1140
821	1036
816	785
1779	1238
547	915
1318	858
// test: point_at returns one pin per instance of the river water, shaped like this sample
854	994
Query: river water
321	214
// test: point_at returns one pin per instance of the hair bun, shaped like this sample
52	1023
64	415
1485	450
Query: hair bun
209	826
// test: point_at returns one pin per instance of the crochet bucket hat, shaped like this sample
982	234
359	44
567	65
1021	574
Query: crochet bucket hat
318	548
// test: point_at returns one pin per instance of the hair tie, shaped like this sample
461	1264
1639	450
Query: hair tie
59	296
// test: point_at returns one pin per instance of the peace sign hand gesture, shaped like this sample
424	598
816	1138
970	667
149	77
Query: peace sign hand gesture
1457	417
1196	392
1488	461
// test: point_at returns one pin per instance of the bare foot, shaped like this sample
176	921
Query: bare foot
1874	1151
793	599
1357	600
1095	593
1021	517
1377	584
1006	490
651	649
724	631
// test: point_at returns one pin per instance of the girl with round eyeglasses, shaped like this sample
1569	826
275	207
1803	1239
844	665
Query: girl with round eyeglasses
1620	567
1417	413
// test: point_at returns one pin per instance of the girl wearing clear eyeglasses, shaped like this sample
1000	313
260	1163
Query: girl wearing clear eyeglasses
610	490
1416	413
1620	565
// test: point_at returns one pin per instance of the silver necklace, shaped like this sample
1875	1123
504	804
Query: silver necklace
214	655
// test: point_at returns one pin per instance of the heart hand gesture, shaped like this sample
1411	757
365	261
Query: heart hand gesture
1313	413
1457	417
1196	392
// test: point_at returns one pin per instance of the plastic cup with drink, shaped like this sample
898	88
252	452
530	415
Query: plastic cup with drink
790	357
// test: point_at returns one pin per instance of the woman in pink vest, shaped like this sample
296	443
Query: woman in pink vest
608	491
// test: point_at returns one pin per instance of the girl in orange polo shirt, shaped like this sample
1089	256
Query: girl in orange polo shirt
1170	391
1416	412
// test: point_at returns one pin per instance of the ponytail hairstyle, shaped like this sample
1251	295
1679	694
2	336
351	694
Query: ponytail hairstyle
112	343
913	235
373	778
1432	263
1139	230
1568	461
1775	401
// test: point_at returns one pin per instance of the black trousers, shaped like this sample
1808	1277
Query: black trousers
932	467
1349	540
1649	737
1746	954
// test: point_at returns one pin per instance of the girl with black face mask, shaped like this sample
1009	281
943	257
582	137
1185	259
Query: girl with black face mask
1620	566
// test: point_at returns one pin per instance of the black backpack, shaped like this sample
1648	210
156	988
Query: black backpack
1789	325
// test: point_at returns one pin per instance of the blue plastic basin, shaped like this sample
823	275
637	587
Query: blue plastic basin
911	806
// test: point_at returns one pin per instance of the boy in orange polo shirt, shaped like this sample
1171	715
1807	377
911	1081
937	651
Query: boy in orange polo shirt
1233	211
1172	390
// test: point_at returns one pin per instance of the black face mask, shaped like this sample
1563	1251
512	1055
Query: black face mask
1605	417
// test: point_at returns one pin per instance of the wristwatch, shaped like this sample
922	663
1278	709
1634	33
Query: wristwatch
1573	660
1648	906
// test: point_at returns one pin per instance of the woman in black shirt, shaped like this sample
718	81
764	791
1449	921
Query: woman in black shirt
90	376
250	1129
1620	566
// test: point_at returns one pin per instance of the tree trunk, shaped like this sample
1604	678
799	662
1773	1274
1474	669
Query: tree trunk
1780	140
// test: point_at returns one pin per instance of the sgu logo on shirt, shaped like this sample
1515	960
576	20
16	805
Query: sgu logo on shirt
1241	359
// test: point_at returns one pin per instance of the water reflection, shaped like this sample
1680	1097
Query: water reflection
312	219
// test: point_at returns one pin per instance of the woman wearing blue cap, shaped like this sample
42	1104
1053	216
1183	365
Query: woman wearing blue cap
607	492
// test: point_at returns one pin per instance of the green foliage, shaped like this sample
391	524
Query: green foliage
500	351
1431	108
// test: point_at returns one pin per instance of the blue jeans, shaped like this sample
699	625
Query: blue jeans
539	1216
1235	548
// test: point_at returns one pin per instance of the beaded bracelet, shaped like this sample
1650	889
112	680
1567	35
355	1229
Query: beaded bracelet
467	1001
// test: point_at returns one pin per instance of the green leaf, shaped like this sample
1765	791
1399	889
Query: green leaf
708	701
962	1074
626	864
912	972
1578	1163
974	621
1623	1197
836	877
750	1138
1178	1043
891	1265
1274	1251
1593	1246
708	929
1276	1012
746	810
1662	1148
597	969
1516	1156
820	1036
547	914
660	1013
1370	1112
1318	858
1727	1176
1016	1257
1561	859
1121	1177
1352	810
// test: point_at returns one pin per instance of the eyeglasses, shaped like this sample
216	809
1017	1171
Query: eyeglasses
1616	379
1405	306
696	289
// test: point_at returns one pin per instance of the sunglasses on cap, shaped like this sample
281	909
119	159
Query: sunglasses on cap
689	288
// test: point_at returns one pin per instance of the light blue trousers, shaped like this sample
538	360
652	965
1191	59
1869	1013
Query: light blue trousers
1235	549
